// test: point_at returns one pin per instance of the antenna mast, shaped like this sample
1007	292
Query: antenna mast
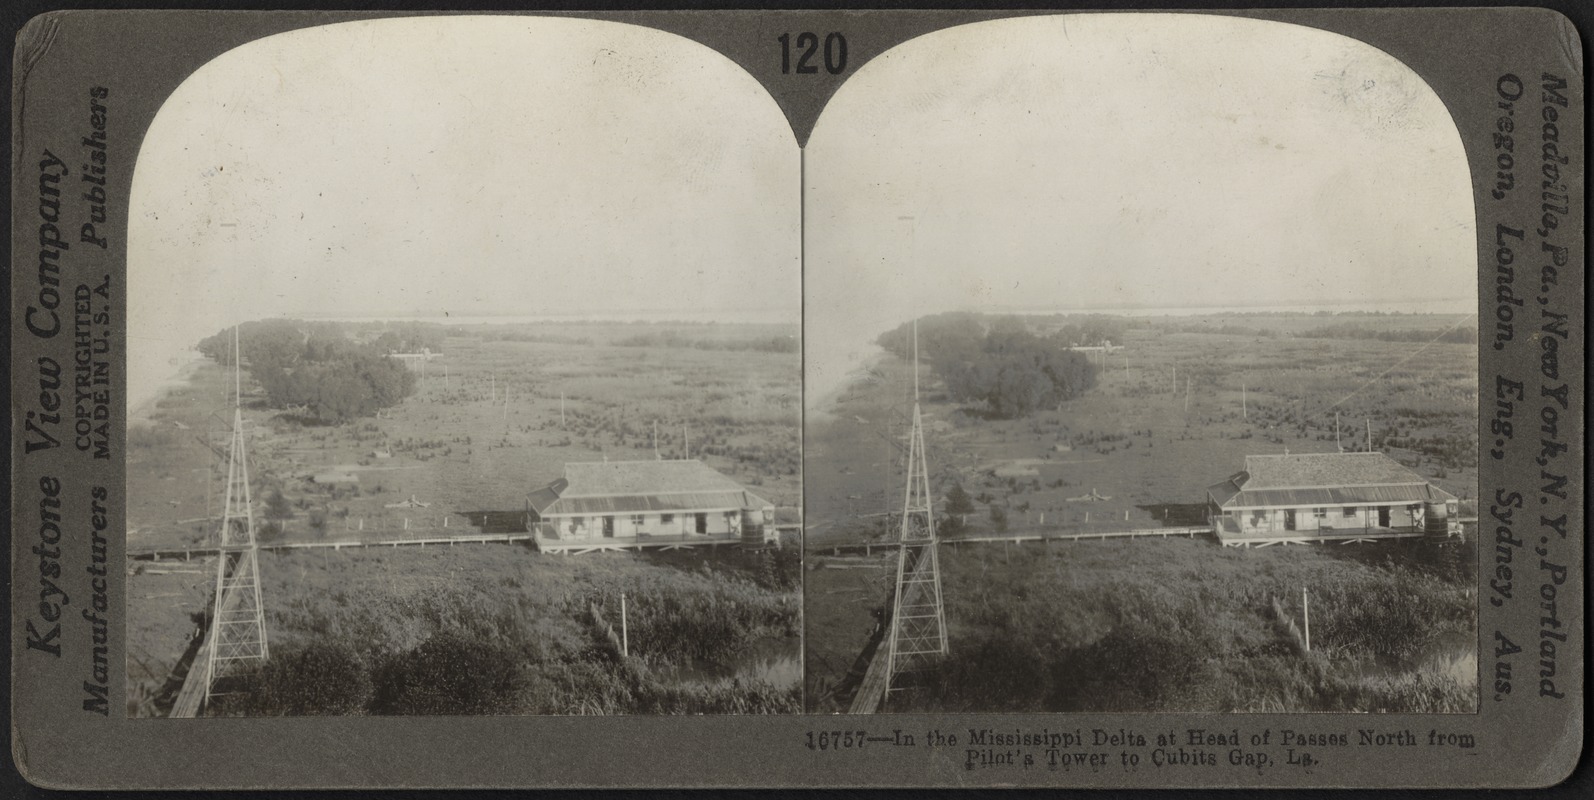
917	636
237	619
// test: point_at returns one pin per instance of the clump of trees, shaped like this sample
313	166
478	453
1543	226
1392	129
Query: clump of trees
997	361
958	507
318	366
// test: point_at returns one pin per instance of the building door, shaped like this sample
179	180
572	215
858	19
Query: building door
1383	516
700	521
1289	519
608	527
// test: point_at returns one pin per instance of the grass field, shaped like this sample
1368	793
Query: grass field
1169	625
1176	410
710	632
707	632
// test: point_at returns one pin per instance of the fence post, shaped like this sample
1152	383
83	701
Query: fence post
625	629
1306	618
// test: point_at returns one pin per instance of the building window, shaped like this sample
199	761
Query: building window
576	522
636	519
1348	511
1258	518
1320	513
666	519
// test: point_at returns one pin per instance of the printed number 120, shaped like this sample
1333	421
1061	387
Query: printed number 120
807	47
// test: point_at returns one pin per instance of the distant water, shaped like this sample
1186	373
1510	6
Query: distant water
735	316
154	366
1443	305
824	381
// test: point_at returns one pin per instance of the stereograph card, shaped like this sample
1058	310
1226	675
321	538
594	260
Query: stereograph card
798	398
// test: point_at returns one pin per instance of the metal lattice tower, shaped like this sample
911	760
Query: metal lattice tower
918	619
237	621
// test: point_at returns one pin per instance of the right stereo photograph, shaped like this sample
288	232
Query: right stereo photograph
1140	376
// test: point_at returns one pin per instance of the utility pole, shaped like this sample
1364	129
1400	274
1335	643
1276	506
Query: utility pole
561	408
655	440
1369	434
210	466
686	439
1187	383
1336	433
1243	414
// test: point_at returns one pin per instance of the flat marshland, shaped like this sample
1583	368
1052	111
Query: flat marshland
498	413
1174	411
707	631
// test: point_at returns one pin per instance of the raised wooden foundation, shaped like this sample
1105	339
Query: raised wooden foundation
1346	536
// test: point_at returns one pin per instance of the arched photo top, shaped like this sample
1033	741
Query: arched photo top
460	166
1130	161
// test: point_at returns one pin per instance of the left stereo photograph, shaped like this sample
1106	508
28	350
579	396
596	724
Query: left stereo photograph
465	378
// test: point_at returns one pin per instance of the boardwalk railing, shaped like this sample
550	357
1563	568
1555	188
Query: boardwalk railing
189	551
1029	536
186	552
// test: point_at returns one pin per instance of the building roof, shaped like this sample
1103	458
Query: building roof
620	487
1323	479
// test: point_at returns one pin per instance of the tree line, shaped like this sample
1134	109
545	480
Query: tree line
1463	334
319	367
996	361
671	338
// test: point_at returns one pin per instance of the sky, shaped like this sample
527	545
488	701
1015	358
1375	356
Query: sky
1128	161
466	166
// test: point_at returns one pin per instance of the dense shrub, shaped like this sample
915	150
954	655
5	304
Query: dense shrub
448	674
319	678
1195	628
725	697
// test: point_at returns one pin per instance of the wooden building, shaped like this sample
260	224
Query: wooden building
616	505
1327	496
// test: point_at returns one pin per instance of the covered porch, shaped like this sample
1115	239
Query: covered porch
1262	526
588	533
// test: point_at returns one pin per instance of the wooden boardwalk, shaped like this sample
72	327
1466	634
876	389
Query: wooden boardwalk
190	551
186	553
876	682
1033	536
192	695
196	683
873	688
